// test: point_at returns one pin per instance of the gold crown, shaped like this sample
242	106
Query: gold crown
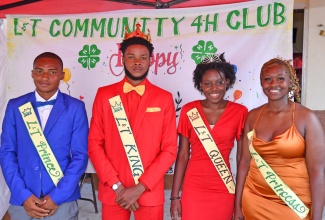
194	116
27	111
117	107
137	33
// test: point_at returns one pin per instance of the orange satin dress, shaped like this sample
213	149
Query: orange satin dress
286	155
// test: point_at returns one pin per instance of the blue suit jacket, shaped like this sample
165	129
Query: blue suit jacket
66	132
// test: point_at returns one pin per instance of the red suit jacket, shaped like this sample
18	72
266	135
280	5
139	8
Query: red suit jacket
154	133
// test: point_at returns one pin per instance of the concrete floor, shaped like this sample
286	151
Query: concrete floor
87	210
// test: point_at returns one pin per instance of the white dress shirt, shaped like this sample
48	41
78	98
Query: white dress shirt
44	111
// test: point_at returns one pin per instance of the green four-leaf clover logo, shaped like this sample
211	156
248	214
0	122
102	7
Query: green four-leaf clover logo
203	49
89	56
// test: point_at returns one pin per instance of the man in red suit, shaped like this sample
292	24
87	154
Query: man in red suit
132	173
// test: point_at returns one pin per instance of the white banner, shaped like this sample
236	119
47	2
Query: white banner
249	33
4	190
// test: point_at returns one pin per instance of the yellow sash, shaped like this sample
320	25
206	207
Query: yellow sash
276	184
43	148
127	138
211	148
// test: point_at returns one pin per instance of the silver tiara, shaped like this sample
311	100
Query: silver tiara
210	58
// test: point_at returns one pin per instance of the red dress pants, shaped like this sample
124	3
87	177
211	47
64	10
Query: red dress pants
110	212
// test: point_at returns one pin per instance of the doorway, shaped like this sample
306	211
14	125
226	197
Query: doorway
297	44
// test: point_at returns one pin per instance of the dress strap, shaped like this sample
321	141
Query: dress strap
293	113
258	117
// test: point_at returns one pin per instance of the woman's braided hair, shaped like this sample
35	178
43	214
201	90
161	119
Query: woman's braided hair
295	87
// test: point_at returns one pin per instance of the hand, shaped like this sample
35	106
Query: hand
119	190
129	196
176	209
49	205
33	208
238	215
135	206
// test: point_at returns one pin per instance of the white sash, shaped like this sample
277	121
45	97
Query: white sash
276	184
127	138
211	148
43	148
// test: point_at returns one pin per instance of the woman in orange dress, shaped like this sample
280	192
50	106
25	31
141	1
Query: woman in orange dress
204	195
290	139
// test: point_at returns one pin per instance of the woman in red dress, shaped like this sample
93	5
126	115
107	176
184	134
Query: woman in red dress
204	194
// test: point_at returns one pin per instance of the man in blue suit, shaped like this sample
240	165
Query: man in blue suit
30	164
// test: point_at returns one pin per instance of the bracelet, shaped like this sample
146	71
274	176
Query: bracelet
175	198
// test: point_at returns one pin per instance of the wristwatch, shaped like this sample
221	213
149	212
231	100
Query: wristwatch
116	185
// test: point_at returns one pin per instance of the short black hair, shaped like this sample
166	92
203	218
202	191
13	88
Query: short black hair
136	40
49	55
220	66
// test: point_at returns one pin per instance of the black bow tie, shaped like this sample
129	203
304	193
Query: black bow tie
40	104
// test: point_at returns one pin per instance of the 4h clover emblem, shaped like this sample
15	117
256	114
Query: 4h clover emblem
202	50
89	56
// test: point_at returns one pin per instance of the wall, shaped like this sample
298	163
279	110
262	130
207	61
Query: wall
315	56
